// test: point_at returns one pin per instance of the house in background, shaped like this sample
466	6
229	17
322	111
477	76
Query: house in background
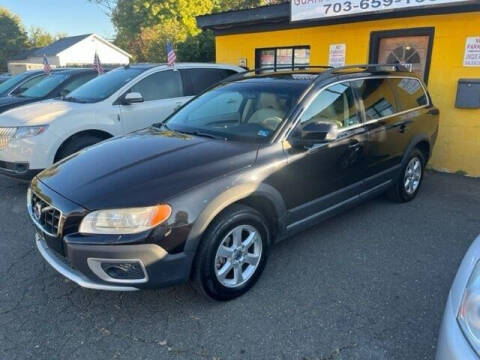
70	51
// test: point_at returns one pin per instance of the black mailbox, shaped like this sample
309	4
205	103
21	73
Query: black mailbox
468	94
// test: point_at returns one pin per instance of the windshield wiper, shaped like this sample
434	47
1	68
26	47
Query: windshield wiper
74	99
202	134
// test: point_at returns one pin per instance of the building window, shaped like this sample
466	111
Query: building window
284	58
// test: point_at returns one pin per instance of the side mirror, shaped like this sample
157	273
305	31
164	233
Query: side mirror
314	133
133	98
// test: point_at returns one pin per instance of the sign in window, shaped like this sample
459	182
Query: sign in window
285	58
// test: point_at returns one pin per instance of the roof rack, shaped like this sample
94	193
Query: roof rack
375	67
278	69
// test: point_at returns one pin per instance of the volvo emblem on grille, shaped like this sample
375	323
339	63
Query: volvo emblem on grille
37	211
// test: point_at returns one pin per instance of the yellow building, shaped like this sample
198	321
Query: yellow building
441	40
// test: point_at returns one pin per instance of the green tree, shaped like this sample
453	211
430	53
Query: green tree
13	37
143	27
38	37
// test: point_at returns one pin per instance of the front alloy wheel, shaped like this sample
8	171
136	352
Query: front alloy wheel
238	256
232	253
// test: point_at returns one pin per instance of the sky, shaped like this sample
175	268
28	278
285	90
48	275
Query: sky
74	17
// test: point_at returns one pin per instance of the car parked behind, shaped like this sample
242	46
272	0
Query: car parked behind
460	332
125	99
204	194
21	82
58	83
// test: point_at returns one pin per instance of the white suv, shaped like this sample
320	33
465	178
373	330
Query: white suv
33	137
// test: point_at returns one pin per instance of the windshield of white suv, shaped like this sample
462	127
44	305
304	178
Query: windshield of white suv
244	110
103	86
44	87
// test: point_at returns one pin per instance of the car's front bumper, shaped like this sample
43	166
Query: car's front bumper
25	157
452	344
19	170
160	268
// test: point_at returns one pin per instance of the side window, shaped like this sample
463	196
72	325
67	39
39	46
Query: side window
165	84
334	104
410	93
28	84
377	97
201	79
77	82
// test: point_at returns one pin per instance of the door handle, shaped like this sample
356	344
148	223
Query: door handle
434	111
402	128
355	146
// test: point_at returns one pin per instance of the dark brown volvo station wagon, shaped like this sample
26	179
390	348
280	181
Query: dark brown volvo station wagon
253	160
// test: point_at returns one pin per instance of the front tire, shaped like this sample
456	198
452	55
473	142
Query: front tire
232	254
408	184
76	144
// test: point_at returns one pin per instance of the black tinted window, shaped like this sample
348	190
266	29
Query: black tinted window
198	80
334	104
377	97
409	93
161	85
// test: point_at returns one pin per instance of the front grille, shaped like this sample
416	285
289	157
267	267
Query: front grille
45	215
5	135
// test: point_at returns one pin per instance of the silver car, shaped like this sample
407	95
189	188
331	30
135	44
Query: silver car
460	332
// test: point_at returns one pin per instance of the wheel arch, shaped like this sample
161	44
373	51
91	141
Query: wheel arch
422	142
94	132
263	198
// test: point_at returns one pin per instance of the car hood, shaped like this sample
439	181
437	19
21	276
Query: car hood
7	102
39	113
144	168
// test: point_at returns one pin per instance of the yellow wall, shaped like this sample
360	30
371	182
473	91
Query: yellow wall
458	144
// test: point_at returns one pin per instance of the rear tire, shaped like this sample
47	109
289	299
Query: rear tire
232	254
408	184
76	144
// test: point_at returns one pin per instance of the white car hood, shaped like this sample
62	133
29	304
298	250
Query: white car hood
40	113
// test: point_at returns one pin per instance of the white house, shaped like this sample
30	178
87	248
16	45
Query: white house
71	51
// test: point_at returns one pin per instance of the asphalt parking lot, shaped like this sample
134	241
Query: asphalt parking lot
368	284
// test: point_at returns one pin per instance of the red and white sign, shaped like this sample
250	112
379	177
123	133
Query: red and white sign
336	56
472	51
321	9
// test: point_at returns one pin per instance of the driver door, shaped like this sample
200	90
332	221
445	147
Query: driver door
320	177
162	94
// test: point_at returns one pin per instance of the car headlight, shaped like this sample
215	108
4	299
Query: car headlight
469	312
124	221
29	131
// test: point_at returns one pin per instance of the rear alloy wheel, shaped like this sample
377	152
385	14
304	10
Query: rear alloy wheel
232	254
411	176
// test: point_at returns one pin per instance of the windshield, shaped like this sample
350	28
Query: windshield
12	82
104	86
44	87
245	111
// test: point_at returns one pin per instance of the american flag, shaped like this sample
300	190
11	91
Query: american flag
46	65
171	56
97	64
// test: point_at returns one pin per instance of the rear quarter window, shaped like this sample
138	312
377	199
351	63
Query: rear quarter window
197	80
409	93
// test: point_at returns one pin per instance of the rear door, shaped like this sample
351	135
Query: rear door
388	135
162	94
392	106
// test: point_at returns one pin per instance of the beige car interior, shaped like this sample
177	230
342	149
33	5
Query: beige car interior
269	111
